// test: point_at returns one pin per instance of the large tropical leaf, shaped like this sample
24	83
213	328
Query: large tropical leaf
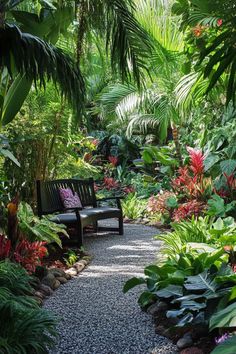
37	60
16	94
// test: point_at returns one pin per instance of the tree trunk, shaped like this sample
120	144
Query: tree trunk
2	19
175	134
81	18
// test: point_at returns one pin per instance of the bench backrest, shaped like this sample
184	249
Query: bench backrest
48	197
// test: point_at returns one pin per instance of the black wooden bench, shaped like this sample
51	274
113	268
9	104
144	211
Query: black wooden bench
49	202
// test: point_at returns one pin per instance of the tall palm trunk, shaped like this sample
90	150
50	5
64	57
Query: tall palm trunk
81	17
175	134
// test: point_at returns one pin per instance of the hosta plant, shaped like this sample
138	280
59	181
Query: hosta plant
167	281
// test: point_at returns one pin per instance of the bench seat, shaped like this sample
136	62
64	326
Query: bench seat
49	202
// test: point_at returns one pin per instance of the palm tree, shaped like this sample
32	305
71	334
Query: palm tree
115	21
29	58
215	44
154	107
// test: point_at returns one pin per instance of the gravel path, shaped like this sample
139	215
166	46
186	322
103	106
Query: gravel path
96	317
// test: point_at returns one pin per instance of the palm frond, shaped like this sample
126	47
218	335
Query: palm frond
141	123
115	94
31	56
130	43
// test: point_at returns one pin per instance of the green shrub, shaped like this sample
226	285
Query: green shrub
133	207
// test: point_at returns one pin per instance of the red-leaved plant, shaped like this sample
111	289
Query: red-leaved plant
113	160
187	210
110	183
30	254
191	183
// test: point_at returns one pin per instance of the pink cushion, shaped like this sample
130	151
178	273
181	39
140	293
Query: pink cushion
69	200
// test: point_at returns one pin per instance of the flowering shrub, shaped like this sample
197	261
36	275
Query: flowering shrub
5	247
30	254
187	210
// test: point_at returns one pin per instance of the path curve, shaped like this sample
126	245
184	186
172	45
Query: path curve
96	317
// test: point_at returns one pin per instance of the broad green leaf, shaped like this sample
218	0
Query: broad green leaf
210	161
170	291
224	318
216	206
15	98
228	166
9	155
146	298
200	282
227	347
192	305
131	283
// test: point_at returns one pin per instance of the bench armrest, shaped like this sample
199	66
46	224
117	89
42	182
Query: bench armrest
73	208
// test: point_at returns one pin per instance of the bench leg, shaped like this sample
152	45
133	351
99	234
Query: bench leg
95	226
121	227
80	237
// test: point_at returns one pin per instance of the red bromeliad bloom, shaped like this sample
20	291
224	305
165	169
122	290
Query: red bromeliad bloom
129	189
187	210
219	22
113	160
196	161
110	183
30	254
5	247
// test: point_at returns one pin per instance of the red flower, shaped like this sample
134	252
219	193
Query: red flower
113	160
219	22
5	247
198	30
196	161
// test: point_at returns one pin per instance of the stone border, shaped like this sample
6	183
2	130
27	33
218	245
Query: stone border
55	277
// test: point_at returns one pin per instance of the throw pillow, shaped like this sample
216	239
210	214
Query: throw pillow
69	200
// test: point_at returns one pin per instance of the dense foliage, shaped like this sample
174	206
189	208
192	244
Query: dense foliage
140	96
